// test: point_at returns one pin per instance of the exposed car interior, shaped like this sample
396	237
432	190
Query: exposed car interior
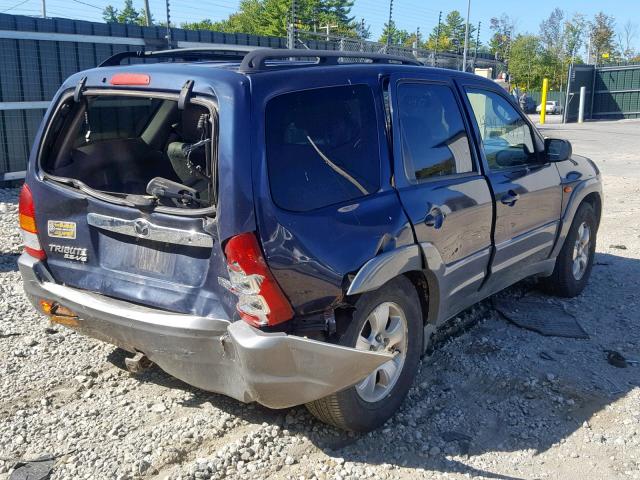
140	146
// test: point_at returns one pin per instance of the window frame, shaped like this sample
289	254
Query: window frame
536	138
208	101
396	131
375	105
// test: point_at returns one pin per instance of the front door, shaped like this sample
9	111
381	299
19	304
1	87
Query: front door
438	178
525	186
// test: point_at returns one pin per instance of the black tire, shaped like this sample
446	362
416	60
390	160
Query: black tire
563	282
347	409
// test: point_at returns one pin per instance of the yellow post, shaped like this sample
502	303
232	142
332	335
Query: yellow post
543	101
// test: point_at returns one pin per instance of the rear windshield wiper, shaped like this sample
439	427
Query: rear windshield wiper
159	187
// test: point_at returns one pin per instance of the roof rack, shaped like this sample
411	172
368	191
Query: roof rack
237	53
256	60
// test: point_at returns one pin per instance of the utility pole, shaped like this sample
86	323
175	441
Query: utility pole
435	52
168	24
147	12
389	23
44	8
466	38
475	53
291	38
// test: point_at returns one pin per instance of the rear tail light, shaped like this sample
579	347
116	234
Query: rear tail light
261	302
28	226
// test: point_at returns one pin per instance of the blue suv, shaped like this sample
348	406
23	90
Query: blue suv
290	227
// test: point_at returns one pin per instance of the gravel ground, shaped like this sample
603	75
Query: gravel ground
492	401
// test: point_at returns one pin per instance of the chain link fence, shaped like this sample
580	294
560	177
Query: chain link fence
443	59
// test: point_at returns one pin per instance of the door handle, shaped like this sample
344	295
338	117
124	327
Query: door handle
510	198
435	218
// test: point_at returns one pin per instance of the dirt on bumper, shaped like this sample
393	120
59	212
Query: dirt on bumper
274	369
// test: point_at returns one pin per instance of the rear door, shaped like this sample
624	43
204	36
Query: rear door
324	202
96	240
438	178
526	188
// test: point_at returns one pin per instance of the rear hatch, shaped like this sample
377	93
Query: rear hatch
125	199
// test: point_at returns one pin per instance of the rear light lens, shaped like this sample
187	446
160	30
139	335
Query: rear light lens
28	228
261	302
130	79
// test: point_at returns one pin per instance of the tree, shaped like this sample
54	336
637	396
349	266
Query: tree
395	35
451	33
363	30
127	15
574	30
110	14
602	34
272	17
553	43
551	32
245	20
503	29
626	39
526	61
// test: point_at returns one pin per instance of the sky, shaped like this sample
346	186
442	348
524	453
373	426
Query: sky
408	14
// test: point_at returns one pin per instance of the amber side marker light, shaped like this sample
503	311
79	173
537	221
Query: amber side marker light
568	189
130	79
46	306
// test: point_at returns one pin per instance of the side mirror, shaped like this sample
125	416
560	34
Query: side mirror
557	149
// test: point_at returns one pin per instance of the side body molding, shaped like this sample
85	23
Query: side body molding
382	268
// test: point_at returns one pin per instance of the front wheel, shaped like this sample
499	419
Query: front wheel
574	263
390	320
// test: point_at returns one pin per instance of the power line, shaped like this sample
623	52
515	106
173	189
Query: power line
15	6
88	4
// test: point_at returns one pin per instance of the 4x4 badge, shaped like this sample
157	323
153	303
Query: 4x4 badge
70	253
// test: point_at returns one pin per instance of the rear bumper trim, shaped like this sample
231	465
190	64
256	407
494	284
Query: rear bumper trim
214	354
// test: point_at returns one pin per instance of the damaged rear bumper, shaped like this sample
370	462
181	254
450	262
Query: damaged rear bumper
232	358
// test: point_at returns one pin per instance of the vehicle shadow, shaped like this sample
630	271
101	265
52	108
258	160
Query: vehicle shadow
493	388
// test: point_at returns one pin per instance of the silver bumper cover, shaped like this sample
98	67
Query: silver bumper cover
274	369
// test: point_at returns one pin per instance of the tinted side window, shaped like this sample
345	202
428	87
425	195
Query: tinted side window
434	140
506	137
322	147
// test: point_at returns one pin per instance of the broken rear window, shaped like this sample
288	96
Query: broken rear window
118	144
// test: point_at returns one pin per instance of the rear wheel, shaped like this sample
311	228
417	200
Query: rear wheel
573	265
390	320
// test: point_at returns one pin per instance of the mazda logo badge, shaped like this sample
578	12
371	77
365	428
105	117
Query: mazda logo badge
141	227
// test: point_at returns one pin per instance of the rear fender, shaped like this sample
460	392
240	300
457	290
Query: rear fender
410	258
